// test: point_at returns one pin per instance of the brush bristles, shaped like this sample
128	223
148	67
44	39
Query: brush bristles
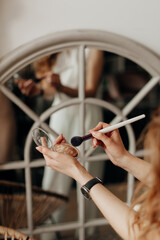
76	141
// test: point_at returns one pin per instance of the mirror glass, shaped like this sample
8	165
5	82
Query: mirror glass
53	80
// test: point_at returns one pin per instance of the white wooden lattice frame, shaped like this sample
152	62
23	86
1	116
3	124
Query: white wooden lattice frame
54	43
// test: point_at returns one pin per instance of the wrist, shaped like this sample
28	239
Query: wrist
124	162
81	174
60	88
87	187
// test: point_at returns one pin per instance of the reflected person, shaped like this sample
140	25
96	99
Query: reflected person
61	83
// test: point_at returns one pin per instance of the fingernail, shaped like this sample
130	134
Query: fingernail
94	142
93	133
39	148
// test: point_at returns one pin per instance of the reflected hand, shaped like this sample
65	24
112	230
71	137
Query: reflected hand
48	89
27	87
111	142
53	79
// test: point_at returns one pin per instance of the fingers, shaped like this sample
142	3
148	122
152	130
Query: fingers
99	126
98	140
100	137
44	142
94	142
20	82
53	79
17	80
59	139
57	79
51	157
48	76
27	87
47	152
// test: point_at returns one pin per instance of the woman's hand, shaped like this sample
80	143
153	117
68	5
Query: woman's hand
64	163
111	142
31	89
53	79
59	139
28	87
59	162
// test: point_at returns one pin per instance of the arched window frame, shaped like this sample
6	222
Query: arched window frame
56	42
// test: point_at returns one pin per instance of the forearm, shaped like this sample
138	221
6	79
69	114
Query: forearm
139	168
119	156
114	210
73	92
94	69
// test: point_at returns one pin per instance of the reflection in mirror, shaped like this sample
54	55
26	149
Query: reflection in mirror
13	204
7	130
54	79
104	232
58	235
122	80
45	203
50	205
16	175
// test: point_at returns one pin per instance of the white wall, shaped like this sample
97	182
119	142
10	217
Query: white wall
24	20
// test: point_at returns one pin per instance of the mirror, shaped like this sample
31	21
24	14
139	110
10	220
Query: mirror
53	80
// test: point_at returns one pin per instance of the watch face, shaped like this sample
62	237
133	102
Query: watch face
85	192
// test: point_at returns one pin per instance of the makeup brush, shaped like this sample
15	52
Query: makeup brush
77	140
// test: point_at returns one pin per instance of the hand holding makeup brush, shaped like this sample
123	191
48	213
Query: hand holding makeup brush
118	213
113	146
111	143
77	140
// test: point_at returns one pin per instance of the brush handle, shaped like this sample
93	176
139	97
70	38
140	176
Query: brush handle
87	137
121	124
115	126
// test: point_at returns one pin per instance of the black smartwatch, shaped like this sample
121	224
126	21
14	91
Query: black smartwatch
86	188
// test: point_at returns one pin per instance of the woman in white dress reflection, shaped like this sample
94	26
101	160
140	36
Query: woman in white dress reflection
67	120
61	80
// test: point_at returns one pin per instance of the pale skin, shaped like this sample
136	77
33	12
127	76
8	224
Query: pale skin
113	209
50	82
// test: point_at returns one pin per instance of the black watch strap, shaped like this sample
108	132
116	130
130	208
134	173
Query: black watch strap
86	188
92	182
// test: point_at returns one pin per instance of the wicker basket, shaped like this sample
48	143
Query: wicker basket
9	233
13	204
